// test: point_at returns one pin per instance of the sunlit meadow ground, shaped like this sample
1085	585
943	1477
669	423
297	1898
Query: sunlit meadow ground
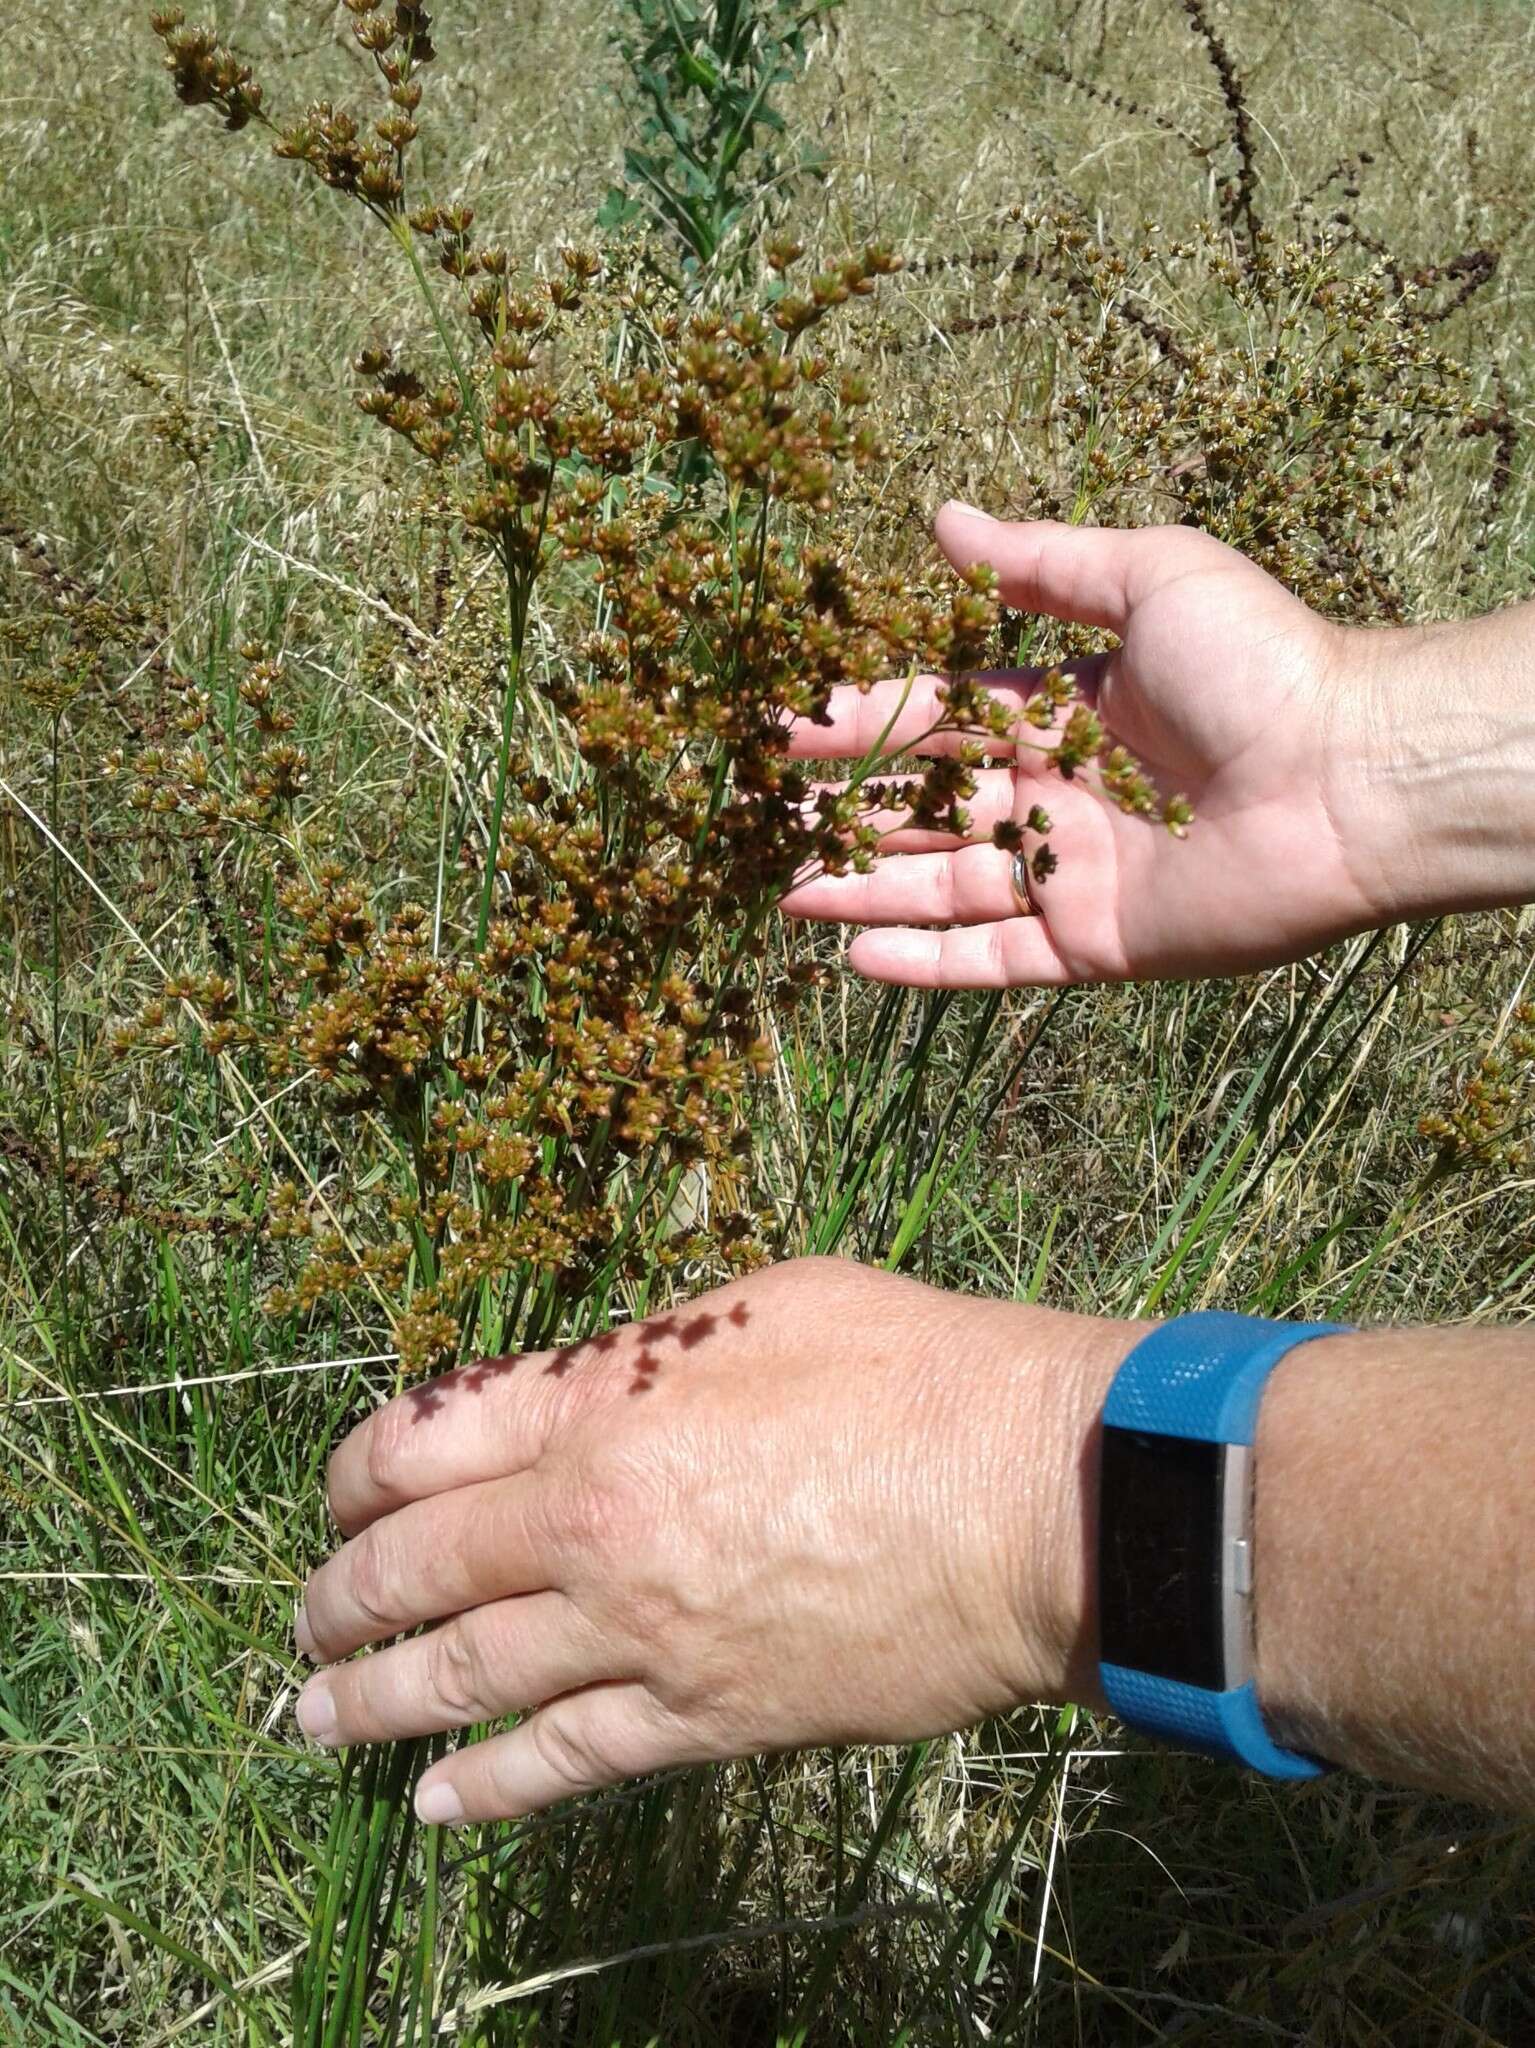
1253	1146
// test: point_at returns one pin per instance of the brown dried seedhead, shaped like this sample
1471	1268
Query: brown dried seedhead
507	1077
1488	1124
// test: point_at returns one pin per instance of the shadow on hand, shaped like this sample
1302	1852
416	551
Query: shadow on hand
642	1345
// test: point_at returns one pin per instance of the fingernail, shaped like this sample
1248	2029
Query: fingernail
316	1711
975	512
437	1804
303	1634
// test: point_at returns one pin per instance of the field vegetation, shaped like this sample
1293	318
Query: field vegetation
405	545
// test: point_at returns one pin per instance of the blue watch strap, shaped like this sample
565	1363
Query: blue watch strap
1225	1725
1201	1376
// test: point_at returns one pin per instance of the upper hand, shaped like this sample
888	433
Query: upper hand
822	1504
1228	691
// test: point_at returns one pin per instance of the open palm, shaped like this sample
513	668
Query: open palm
1227	690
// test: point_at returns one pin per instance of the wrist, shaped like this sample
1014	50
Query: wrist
1295	1443
1054	1573
1430	763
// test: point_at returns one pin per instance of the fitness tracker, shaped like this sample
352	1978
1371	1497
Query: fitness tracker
1175	1544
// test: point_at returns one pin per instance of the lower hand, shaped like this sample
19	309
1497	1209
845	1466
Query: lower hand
823	1504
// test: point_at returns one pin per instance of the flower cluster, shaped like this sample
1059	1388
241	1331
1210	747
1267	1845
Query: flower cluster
1489	1124
204	72
577	1023
632	566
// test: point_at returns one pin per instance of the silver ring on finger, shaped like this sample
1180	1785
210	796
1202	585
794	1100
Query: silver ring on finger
1020	878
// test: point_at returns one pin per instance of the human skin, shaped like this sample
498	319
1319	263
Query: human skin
829	1504
1342	778
717	1533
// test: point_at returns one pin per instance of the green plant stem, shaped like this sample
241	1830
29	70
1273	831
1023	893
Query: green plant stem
56	1017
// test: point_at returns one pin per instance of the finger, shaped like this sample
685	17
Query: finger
911	715
990	804
1017	953
587	1739
478	1666
892	717
481	1422
1087	573
972	885
431	1558
478	1423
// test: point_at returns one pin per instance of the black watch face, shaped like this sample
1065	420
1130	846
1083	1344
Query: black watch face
1159	1563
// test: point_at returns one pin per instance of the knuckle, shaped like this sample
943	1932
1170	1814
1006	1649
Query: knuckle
613	1504
823	1275
465	1551
383	1445
599	1507
823	1269
584	1385
793	1276
787	1305
455	1666
371	1579
810	1269
566	1750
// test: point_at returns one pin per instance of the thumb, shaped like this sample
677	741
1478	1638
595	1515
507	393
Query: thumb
1071	572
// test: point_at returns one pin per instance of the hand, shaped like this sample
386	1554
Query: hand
823	1504
1227	689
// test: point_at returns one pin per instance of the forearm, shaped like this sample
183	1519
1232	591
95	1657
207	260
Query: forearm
1433	763
1394	1554
1395	1557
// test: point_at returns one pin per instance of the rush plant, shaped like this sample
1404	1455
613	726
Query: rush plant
518	1042
389	870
